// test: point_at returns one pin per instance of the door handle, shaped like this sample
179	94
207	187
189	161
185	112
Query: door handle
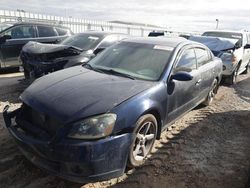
198	82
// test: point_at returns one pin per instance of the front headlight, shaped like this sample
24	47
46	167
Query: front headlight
228	57
94	127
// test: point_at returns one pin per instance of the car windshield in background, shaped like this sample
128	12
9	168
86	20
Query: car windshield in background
4	26
141	61
230	35
83	41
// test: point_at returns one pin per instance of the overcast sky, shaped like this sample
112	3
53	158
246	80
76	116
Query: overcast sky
181	14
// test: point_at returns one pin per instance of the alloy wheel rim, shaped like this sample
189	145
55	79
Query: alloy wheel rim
144	141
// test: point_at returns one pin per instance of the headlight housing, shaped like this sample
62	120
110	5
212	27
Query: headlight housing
228	57
93	128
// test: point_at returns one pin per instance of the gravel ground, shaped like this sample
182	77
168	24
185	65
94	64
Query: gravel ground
208	147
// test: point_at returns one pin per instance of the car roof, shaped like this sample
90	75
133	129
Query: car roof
36	23
166	41
101	33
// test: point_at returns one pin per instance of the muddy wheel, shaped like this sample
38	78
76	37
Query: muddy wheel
145	135
26	73
211	94
247	69
233	78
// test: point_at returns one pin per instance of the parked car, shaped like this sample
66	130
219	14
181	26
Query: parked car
86	123
233	47
40	59
14	35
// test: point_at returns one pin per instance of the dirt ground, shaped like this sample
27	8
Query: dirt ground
208	147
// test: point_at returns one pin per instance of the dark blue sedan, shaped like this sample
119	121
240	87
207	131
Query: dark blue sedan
89	122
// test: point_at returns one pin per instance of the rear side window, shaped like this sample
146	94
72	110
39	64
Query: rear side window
23	31
61	31
202	56
187	61
46	31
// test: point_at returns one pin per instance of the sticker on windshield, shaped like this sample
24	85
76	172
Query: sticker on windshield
93	38
166	48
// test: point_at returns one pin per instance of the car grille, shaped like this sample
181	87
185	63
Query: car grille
40	120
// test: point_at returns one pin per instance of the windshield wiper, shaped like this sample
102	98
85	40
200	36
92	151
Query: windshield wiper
93	68
112	71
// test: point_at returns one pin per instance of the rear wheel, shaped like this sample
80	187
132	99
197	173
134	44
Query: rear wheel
145	135
211	93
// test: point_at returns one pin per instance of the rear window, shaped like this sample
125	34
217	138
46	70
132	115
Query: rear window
61	31
46	31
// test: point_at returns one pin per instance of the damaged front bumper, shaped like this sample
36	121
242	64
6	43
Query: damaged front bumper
75	160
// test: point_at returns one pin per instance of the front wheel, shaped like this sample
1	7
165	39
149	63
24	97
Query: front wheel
145	135
232	79
247	69
211	93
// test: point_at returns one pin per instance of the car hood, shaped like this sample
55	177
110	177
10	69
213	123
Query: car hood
77	92
215	43
40	48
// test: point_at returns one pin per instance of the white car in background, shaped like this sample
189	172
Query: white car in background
233	47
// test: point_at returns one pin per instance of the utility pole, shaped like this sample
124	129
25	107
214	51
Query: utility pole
217	23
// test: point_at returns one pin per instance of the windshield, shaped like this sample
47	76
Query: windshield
4	26
141	61
83	41
230	35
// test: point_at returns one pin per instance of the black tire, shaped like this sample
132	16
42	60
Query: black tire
145	131
246	70
26	73
211	94
232	79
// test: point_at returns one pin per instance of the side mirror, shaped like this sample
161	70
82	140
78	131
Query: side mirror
4	38
182	76
247	46
98	50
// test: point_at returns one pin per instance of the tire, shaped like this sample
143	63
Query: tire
247	69
145	131
232	79
26	73
211	94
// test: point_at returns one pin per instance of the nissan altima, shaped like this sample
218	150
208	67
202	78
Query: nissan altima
89	122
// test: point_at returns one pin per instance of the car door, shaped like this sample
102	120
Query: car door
47	34
206	69
20	35
183	95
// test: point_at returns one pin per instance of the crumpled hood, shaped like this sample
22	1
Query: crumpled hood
215	43
77	92
40	48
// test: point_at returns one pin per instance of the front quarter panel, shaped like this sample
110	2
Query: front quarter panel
153	99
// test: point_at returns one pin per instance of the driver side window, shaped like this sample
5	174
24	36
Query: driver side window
20	32
187	61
